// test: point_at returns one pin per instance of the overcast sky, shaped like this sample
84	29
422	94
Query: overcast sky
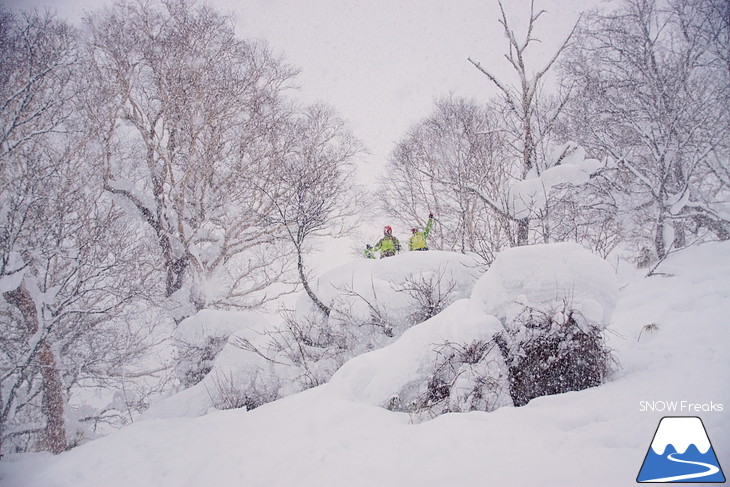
381	63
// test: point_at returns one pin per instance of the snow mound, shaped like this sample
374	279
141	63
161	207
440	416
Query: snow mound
389	283
202	341
404	368
539	276
212	323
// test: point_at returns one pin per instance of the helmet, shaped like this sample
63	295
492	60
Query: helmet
414	230
387	230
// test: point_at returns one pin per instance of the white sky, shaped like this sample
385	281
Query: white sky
381	63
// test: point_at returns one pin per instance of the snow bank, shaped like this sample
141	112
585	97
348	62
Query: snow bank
215	323
539	276
388	284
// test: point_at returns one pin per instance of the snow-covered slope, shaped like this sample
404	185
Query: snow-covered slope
373	302
596	437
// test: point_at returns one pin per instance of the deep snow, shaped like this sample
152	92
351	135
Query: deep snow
320	437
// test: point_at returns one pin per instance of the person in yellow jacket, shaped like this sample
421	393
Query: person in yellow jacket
418	239
387	246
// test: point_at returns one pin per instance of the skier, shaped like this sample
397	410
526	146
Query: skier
387	246
418	239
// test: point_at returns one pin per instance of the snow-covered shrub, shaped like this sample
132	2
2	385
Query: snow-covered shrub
551	354
465	377
372	303
431	293
311	345
447	363
200	338
195	360
231	391
553	301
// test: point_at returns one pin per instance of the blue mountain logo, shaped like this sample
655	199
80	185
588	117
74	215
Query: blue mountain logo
681	452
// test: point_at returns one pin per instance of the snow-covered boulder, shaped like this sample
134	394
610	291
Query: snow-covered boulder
547	277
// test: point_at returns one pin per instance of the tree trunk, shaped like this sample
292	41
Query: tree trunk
53	403
523	231
300	266
680	234
659	243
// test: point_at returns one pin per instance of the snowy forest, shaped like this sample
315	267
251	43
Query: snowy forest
163	189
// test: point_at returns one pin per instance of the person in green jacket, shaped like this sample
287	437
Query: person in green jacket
387	246
418	239
369	251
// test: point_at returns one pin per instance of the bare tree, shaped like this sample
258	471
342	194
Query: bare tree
653	96
189	123
530	121
494	169
36	69
67	257
314	190
36	61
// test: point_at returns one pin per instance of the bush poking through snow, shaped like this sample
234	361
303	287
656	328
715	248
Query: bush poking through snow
466	377
549	353
430	292
648	328
228	391
310	344
195	359
544	353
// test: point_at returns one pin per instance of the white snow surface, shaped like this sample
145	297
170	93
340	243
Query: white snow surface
537	276
329	436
